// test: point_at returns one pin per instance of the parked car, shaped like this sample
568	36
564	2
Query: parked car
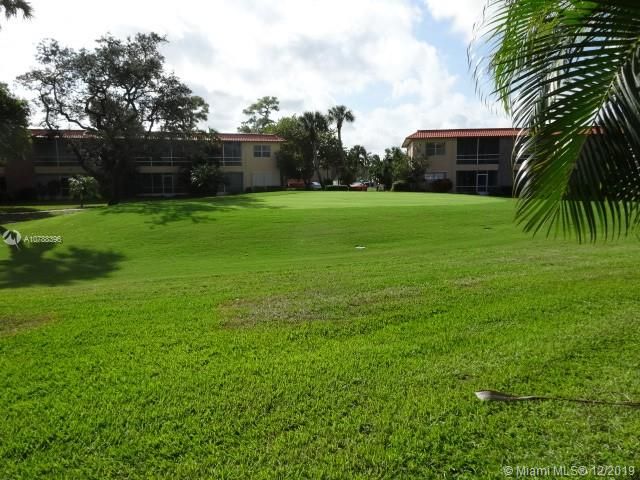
315	186
359	186
295	183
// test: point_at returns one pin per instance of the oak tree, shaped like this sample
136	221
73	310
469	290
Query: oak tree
121	96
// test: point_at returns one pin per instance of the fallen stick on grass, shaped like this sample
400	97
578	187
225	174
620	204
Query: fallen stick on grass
493	396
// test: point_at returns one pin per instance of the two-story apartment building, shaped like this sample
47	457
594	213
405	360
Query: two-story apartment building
477	160
247	160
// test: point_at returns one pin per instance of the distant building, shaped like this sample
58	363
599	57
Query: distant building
477	160
247	160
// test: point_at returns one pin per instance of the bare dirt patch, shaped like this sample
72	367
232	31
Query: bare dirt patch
10	326
306	306
468	282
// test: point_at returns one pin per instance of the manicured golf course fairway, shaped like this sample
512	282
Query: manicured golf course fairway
247	337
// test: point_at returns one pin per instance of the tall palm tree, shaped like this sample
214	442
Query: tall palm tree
338	115
12	7
567	73
313	124
360	159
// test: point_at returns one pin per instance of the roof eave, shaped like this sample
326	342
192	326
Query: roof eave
260	138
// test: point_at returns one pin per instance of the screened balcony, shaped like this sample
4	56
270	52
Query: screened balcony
478	151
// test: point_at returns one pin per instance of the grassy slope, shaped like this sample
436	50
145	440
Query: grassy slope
246	336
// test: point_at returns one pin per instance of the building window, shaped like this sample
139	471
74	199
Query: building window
51	153
262	151
473	181
231	150
435	148
482	150
232	154
167	184
433	176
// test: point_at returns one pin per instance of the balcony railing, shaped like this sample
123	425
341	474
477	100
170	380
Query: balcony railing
477	189
479	159
162	162
226	161
184	162
63	161
231	162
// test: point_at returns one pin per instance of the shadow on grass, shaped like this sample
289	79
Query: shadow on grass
162	212
9	209
22	215
13	214
18	207
28	265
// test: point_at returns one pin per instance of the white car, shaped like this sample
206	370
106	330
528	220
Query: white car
315	186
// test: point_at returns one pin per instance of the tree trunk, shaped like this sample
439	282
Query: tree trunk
320	178
316	166
343	158
114	198
116	190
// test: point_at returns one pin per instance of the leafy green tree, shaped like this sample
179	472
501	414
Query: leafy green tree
14	125
293	158
400	164
364	169
292	164
314	124
567	72
397	166
288	128
330	153
120	94
206	178
12	8
382	169
418	166
83	188
356	162
259	114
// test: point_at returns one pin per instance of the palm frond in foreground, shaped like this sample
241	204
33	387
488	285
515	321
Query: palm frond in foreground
568	73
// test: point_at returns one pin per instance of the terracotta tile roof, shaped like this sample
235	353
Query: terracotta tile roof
461	132
225	137
43	132
249	137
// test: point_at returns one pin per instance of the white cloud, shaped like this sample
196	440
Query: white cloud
310	54
397	122
463	14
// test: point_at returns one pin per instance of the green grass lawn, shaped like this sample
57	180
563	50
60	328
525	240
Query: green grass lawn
247	337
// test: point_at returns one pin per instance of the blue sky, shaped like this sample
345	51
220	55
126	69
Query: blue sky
452	47
399	64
